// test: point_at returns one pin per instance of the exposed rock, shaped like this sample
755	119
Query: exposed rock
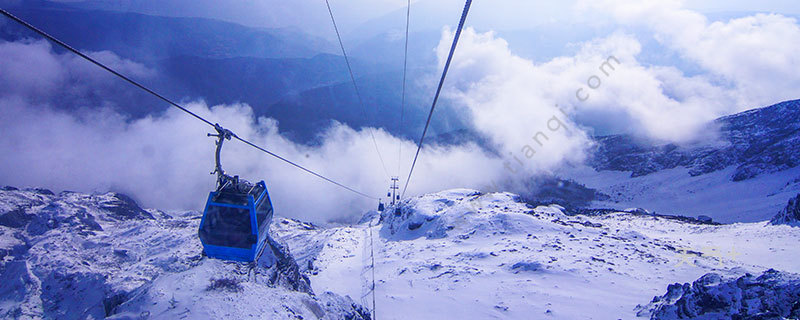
16	218
284	269
124	208
526	266
705	219
773	295
41	191
566	193
790	214
758	141
79	256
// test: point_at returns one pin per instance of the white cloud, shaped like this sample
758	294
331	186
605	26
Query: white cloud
164	160
755	55
514	101
660	102
29	68
511	99
32	71
748	62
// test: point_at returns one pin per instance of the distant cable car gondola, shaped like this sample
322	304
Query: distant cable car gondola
237	215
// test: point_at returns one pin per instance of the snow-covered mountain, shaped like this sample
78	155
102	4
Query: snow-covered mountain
456	254
756	157
753	154
462	254
756	142
79	256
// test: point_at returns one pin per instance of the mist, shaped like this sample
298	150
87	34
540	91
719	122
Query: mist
164	160
63	129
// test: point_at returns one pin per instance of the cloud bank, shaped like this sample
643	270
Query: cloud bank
164	160
748	62
62	132
745	63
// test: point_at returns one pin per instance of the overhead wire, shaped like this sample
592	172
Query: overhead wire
372	267
438	90
303	168
355	85
403	95
90	59
140	86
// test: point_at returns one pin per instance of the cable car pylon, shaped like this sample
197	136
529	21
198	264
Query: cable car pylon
393	190
393	193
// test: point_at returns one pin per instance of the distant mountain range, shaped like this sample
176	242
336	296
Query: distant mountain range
758	141
282	74
142	37
744	170
753	154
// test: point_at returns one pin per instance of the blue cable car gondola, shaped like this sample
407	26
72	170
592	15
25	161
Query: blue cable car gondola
237	215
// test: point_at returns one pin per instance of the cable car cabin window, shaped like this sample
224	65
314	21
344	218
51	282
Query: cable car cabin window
239	199
264	213
227	227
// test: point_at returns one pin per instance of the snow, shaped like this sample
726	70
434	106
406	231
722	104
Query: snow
772	295
455	254
340	253
186	295
478	256
79	256
675	192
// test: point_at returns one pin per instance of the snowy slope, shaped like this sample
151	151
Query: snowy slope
754	142
339	253
745	173
456	254
677	192
459	254
79	256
